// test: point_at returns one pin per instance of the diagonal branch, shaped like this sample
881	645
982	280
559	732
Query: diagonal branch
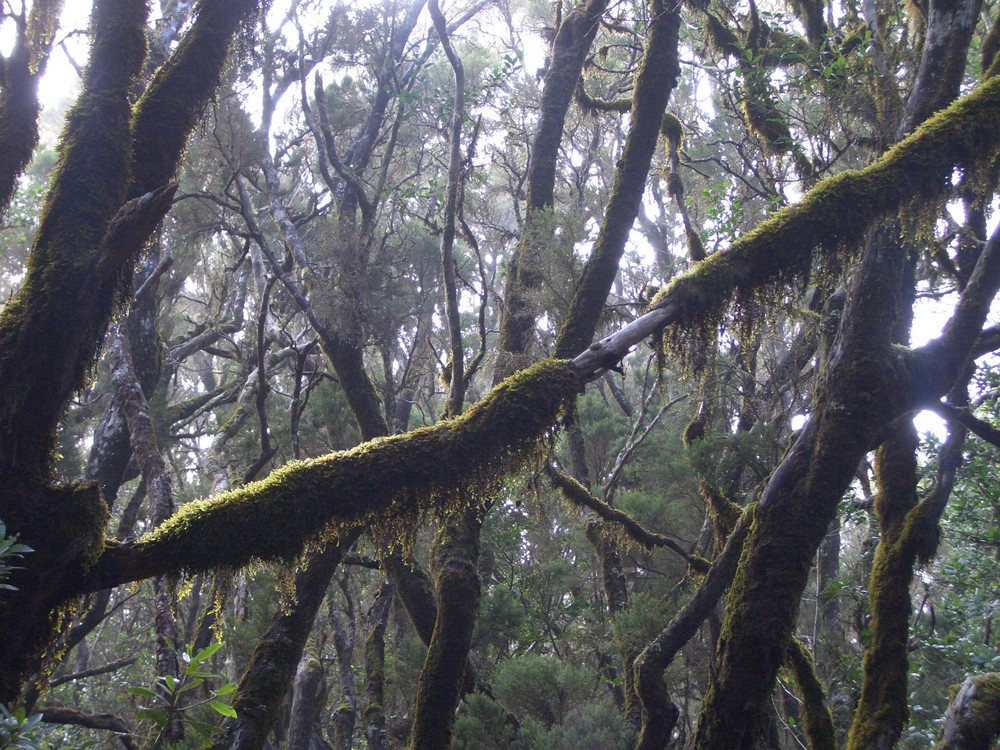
963	137
577	494
384	482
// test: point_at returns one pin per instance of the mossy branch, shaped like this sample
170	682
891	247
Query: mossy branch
382	484
577	494
817	722
836	213
176	98
591	103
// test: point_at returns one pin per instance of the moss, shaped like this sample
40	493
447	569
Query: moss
761	610
835	214
655	79
596	104
973	718
176	98
672	129
722	39
985	706
817	721
455	464
88	188
766	121
883	709
454	562
990	46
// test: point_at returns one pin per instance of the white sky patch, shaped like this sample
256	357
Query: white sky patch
533	55
929	423
929	318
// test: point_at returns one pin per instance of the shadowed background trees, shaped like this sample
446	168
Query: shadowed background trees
305	441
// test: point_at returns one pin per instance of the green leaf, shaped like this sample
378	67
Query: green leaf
144	692
223	708
206	653
191	685
226	689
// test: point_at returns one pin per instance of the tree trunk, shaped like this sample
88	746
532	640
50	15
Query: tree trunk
973	718
454	561
308	701
267	678
373	714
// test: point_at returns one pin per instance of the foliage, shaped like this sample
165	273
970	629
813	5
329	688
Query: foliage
10	550
18	730
168	698
296	310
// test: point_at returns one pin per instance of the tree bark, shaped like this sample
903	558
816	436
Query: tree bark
309	694
454	565
19	108
973	718
373	715
265	683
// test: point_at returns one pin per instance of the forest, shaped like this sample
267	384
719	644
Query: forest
499	374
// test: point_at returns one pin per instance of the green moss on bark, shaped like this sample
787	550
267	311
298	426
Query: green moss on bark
973	718
451	466
817	721
834	215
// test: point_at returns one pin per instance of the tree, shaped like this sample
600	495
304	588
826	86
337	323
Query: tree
366	257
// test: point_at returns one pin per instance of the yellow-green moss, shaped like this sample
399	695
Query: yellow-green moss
817	721
672	129
834	215
765	120
455	464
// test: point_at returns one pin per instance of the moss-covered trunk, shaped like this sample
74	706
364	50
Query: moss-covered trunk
264	684
655	81
81	259
19	107
42	358
373	713
569	51
859	392
454	562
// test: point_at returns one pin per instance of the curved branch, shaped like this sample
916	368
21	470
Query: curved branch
109	722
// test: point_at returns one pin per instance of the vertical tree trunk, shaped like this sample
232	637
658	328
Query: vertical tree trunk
265	683
373	714
161	506
454	562
345	715
308	700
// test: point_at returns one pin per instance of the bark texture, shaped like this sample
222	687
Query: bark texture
973	718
